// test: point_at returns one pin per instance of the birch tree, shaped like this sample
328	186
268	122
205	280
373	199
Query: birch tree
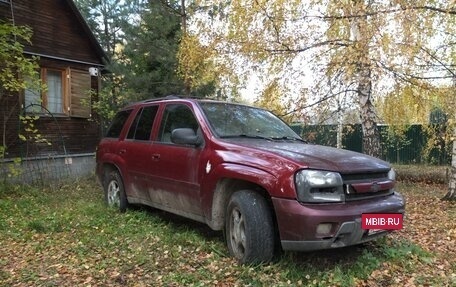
369	47
451	195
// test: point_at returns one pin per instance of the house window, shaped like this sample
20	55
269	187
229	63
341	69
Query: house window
54	95
51	99
32	98
68	92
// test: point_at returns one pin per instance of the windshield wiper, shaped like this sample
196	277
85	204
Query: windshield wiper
247	136
289	138
265	138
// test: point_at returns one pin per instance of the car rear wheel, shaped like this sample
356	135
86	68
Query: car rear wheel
115	192
249	229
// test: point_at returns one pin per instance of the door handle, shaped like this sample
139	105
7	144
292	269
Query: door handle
156	156
122	151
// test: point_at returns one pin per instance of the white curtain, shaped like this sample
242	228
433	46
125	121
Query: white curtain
54	91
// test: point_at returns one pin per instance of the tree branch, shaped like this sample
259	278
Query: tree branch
176	11
433	56
336	42
327	97
386	11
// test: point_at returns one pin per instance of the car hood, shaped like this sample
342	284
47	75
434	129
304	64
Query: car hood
317	156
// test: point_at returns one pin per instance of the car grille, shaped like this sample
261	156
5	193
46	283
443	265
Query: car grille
367	185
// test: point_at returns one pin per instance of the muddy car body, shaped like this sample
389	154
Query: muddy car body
241	169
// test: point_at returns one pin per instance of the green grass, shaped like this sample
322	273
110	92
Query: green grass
65	236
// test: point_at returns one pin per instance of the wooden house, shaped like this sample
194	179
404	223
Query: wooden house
70	60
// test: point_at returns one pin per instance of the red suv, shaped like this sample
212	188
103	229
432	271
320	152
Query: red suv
243	170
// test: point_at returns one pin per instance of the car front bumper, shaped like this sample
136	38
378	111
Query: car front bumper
299	223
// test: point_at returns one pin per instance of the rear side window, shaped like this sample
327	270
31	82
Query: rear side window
117	124
142	125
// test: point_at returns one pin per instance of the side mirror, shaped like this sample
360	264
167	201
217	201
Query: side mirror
185	136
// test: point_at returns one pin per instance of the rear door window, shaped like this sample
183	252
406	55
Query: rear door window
141	127
117	124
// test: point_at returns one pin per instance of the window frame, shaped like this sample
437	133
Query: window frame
137	120
76	86
164	135
64	95
44	94
114	122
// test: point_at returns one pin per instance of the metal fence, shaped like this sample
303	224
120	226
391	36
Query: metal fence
412	148
42	170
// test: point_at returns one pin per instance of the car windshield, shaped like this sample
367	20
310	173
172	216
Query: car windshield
232	120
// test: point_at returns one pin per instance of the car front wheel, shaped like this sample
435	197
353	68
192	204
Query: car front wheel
115	192
249	228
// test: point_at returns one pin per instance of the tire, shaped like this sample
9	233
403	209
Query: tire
115	192
249	228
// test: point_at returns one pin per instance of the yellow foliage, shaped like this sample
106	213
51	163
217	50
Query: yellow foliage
196	65
335	40
271	98
413	104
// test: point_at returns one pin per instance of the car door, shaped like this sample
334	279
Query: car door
136	150
176	168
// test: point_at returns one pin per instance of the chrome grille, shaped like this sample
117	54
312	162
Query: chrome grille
350	192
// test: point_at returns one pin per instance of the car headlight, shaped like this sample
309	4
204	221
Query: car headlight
392	174
319	186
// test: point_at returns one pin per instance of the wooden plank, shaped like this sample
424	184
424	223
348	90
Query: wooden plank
80	87
58	36
58	33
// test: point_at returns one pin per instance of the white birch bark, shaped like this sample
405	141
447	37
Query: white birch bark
371	136
451	195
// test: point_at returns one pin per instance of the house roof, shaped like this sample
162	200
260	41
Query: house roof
56	33
99	50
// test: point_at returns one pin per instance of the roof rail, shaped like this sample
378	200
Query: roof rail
170	97
176	97
173	97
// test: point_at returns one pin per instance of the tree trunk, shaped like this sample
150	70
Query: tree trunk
371	135
359	34
183	18
340	129
187	83
451	195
